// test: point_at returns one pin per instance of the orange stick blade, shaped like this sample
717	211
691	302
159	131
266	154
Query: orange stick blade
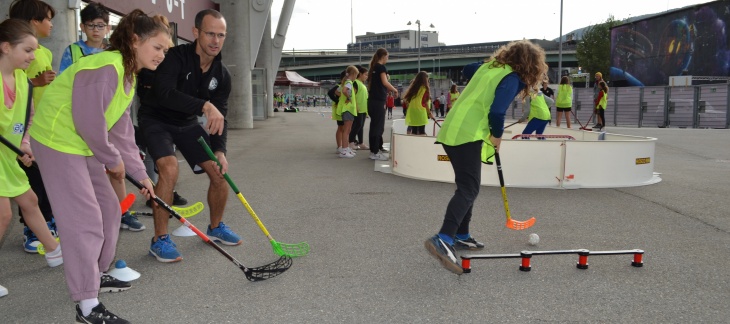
518	226
127	202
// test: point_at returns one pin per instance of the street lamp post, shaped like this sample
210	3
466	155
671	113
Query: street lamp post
418	43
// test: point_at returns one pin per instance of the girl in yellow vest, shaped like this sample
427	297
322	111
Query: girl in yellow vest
472	132
83	127
538	115
453	95
601	103
417	96
564	103
17	45
361	96
347	109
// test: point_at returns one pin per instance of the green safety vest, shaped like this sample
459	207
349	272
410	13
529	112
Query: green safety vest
565	96
76	52
539	108
454	96
42	63
468	119
604	101
361	97
417	114
12	127
53	124
335	115
343	105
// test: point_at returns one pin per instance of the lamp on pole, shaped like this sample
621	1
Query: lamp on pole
418	43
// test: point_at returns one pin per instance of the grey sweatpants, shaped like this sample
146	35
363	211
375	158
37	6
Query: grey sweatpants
87	216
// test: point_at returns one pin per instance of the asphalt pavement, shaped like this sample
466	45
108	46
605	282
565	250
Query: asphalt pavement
366	231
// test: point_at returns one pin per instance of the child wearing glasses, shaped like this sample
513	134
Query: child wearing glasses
95	24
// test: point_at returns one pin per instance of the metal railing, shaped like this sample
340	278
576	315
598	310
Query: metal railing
699	106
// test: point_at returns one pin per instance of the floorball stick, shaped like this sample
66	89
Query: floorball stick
186	212
252	274
282	249
511	223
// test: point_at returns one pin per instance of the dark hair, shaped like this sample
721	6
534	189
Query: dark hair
376	58
13	31
31	10
564	80
94	10
361	69
135	25
207	12
453	88
421	80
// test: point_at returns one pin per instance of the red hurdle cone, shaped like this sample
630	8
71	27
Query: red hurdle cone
638	262
525	266
582	260
466	265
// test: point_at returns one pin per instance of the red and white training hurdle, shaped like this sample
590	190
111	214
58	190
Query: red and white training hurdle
526	256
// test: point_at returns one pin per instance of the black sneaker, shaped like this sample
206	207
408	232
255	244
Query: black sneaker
111	284
444	253
99	315
177	200
468	244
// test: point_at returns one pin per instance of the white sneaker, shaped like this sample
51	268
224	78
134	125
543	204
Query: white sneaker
3	291
378	157
349	150
354	146
346	154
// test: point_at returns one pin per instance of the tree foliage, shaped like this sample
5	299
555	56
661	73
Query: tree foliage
594	50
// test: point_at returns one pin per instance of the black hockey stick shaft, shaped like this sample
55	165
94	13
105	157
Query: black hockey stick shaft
192	227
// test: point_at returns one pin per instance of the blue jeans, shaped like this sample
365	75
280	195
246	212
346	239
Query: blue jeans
535	125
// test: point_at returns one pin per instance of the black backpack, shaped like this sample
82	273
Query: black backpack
332	93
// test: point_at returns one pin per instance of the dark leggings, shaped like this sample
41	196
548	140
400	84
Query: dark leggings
467	165
376	109
36	183
602	114
357	126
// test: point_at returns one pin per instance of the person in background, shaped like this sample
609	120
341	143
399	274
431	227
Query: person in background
417	96
442	106
549	93
95	25
601	103
596	91
564	103
472	133
389	104
84	125
39	15
537	115
361	96
377	87
436	105
346	107
453	95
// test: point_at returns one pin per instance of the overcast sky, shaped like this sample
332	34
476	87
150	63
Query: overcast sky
326	24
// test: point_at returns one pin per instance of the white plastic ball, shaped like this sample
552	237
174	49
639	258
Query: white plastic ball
534	239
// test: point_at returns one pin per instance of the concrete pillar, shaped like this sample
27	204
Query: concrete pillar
264	61
64	28
279	38
237	57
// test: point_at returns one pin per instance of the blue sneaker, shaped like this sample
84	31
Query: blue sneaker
444	253
224	234
164	249
52	227
30	241
131	222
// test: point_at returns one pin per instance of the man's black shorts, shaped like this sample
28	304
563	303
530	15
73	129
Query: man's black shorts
160	138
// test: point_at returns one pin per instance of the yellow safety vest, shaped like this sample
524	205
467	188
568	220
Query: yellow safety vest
565	96
13	181
42	63
417	114
539	108
53	124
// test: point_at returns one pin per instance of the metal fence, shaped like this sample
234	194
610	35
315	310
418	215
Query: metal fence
700	106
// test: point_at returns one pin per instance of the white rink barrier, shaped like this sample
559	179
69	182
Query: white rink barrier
592	160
